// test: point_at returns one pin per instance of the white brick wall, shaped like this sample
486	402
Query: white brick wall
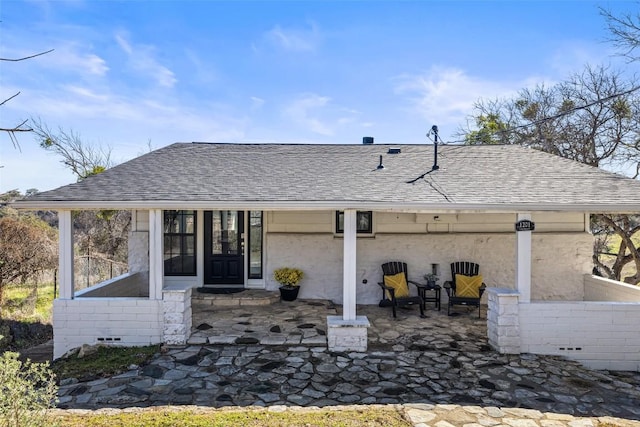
117	321
601	335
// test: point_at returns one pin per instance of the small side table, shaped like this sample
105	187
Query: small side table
422	292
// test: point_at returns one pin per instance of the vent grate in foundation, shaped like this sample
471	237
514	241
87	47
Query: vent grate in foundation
109	339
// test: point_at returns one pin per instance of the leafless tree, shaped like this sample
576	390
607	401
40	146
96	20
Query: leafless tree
27	247
103	232
12	131
80	157
624	32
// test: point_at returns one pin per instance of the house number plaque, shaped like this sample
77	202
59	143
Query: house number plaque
525	225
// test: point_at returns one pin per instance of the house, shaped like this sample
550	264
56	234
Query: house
229	214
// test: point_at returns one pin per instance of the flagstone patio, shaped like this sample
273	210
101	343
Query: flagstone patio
227	319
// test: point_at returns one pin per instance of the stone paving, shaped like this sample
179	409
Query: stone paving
276	356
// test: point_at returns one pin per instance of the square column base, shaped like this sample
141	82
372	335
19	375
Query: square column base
347	335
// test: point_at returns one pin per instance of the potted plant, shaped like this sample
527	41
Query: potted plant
431	279
289	279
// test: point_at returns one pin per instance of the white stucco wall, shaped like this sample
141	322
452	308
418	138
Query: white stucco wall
559	260
110	321
138	248
306	240
601	289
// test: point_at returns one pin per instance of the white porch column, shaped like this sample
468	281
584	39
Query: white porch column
523	261
349	332
349	270
65	254
156	270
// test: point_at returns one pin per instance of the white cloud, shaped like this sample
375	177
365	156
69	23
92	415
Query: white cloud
295	40
142	59
204	71
445	96
256	103
74	58
85	92
572	57
321	115
305	110
124	43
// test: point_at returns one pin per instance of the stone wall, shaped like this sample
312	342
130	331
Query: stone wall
177	314
503	322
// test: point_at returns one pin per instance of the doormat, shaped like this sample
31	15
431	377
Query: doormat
209	290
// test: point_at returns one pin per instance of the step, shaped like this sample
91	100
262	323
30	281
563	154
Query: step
246	298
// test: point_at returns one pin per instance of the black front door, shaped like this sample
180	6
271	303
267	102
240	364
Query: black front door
224	248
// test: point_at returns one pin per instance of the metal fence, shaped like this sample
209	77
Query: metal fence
91	270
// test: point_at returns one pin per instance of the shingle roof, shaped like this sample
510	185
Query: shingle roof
490	176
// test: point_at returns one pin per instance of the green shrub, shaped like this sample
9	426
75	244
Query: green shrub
27	391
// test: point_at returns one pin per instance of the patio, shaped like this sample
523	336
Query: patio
221	319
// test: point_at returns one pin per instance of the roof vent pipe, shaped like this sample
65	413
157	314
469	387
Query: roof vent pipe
367	140
435	166
380	165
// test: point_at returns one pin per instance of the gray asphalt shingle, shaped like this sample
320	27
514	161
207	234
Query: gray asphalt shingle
498	175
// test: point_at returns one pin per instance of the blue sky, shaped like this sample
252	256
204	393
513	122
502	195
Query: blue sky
126	75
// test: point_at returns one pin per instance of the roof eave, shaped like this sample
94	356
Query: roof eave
328	205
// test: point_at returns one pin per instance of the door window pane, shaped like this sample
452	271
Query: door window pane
255	245
224	233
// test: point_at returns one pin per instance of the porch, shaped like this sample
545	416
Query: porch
149	306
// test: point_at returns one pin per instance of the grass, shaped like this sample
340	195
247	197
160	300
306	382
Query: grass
26	315
20	306
367	416
106	362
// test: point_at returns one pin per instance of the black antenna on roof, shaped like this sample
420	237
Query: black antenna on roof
435	166
380	165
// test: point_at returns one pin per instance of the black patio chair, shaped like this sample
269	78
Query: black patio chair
392	270
471	270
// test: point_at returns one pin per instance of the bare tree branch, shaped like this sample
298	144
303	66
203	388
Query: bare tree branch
27	57
83	159
625	32
9	99
13	130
